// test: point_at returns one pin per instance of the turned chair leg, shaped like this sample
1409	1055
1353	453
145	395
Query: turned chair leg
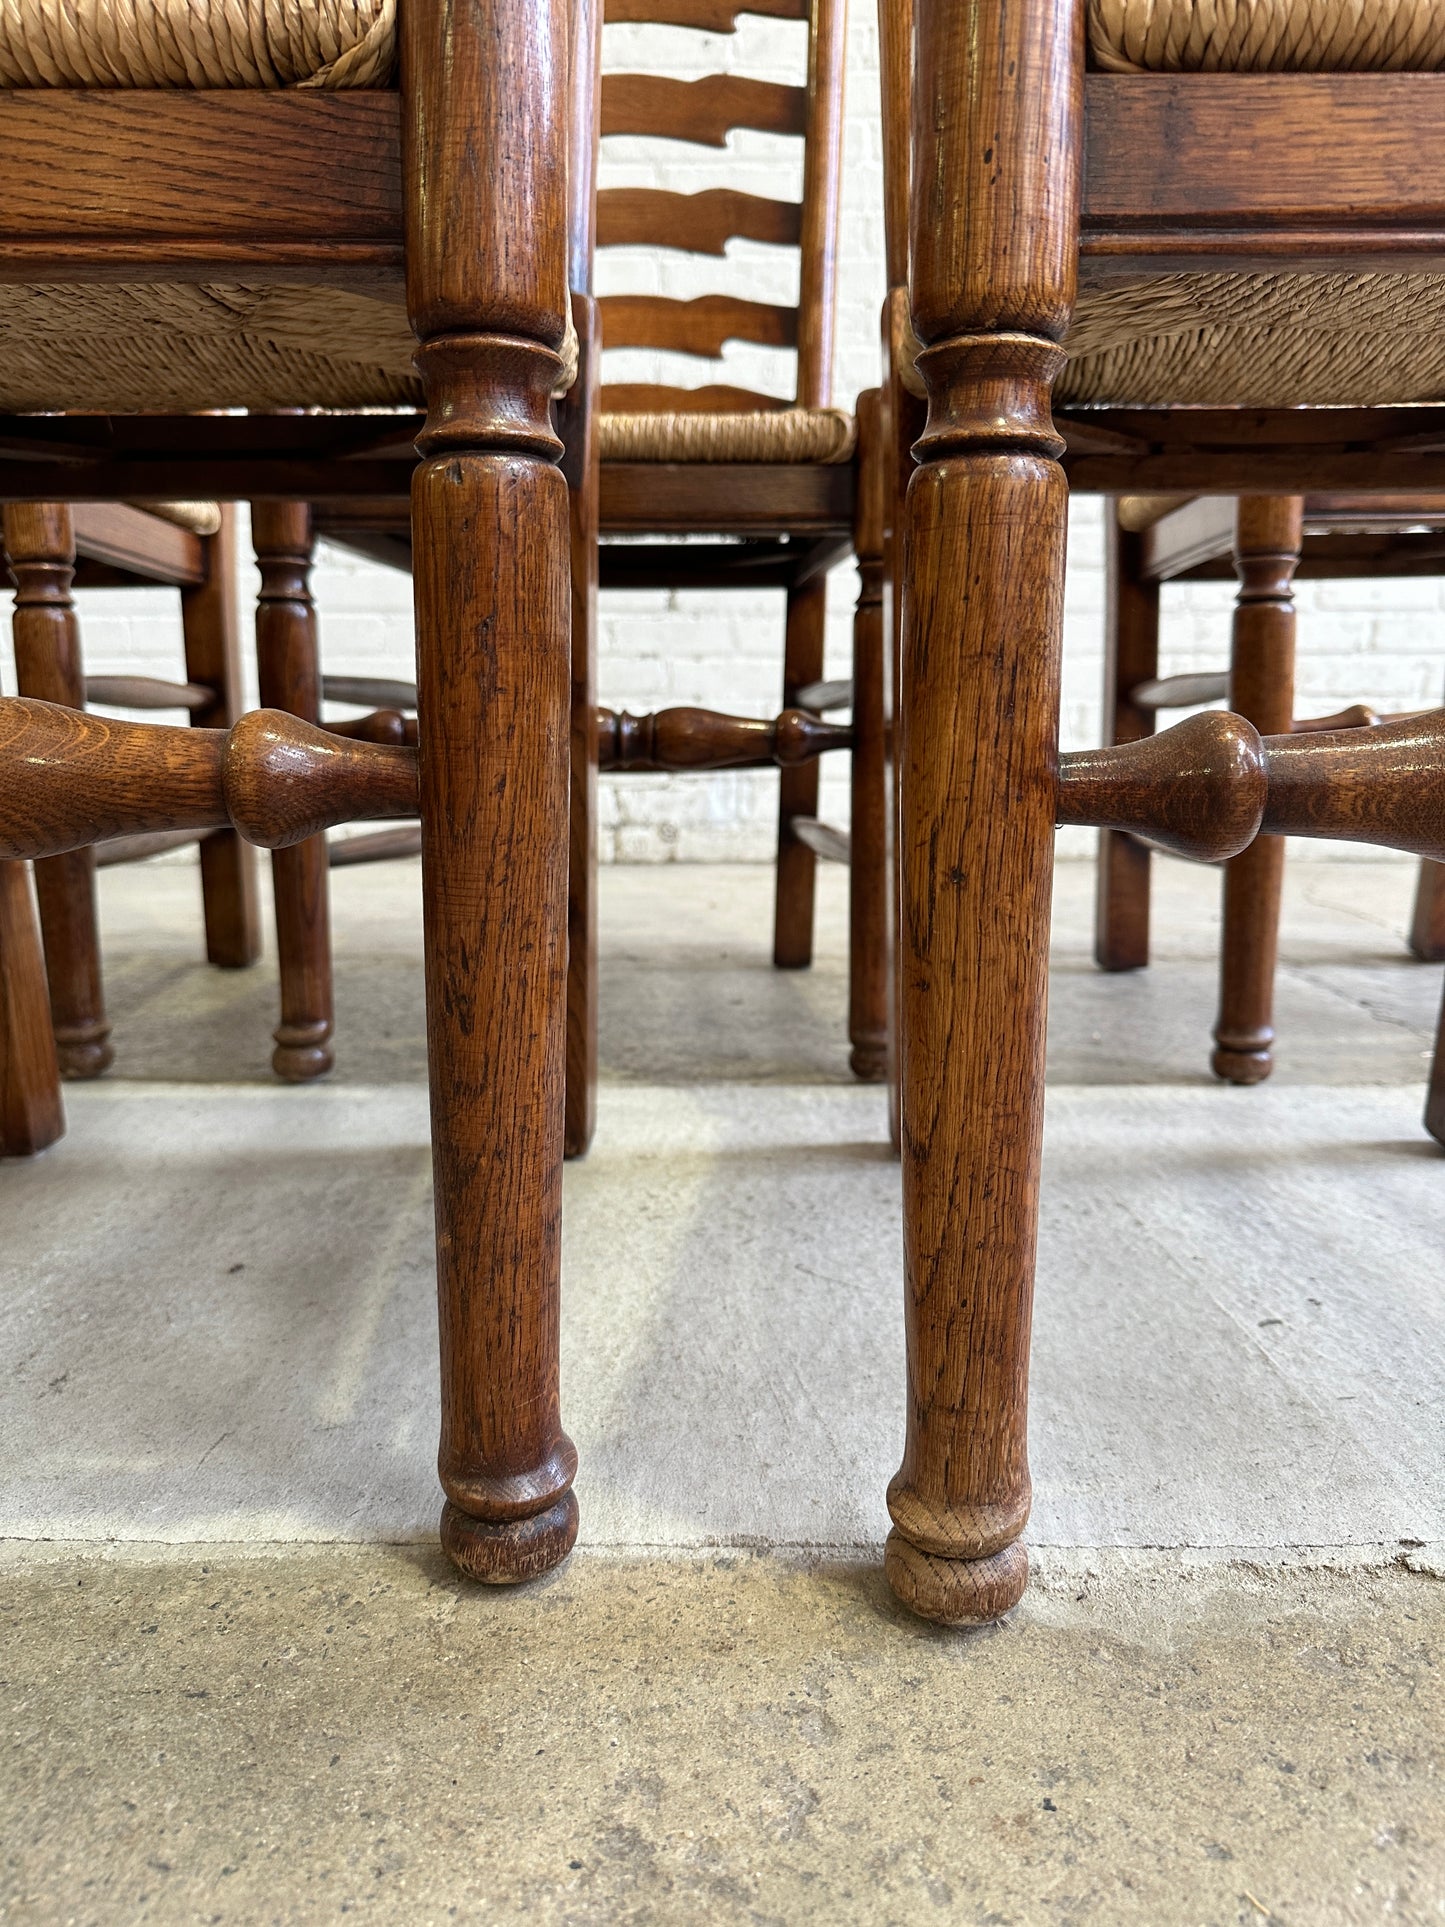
868	939
1131	656
289	668
797	866
994	211
486	297
580	466
40	543
1427	921
209	623
1268	533
31	1112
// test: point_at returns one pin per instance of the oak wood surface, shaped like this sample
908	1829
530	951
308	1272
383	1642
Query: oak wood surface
145	546
210	632
40	547
697	327
703	112
32	1113
1269	532
1131	658
289	672
704	739
700	223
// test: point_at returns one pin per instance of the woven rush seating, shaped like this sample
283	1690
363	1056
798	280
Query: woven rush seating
778	435
1267	36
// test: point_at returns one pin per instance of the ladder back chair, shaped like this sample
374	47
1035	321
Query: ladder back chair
1125	281
1267	543
282	219
50	549
771	478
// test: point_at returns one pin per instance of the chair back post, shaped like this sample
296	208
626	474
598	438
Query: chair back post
994	234
485	87
895	52
822	175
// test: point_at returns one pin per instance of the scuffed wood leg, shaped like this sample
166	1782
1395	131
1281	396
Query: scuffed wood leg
484	161
1268	534
994	217
213	656
868	989
40	543
1131	656
31	1112
796	874
289	667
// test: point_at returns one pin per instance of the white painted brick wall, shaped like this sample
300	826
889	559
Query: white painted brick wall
1377	642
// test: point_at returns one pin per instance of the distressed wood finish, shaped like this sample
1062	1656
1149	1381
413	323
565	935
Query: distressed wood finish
289	671
868	833
1269	533
210	631
40	545
486	294
32	1114
997	126
1131	658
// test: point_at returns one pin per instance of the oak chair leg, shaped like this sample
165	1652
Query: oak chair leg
994	211
289	670
1131	656
31	1111
1427	921
1435	1095
40	543
486	296
229	893
797	867
868	937
1268	534
580	466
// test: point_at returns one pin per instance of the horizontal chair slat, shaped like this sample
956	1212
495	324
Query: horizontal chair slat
147	692
698	327
704	111
695	223
708	16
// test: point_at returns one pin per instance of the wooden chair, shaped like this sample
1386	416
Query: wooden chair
1175	261
774	480
1267	543
249	246
49	548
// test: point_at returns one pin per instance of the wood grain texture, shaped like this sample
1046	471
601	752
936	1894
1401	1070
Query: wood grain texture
868	833
32	1114
272	178
997	126
485	86
1131	658
69	779
698	327
1288	170
577	423
1269	533
134	543
210	630
701	223
40	547
703	112
288	663
1197	790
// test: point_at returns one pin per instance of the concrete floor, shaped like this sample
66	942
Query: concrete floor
239	1684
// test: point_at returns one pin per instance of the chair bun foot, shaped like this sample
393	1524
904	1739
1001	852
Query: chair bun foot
509	1552
956	1592
1241	1063
83	1055
303	1052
